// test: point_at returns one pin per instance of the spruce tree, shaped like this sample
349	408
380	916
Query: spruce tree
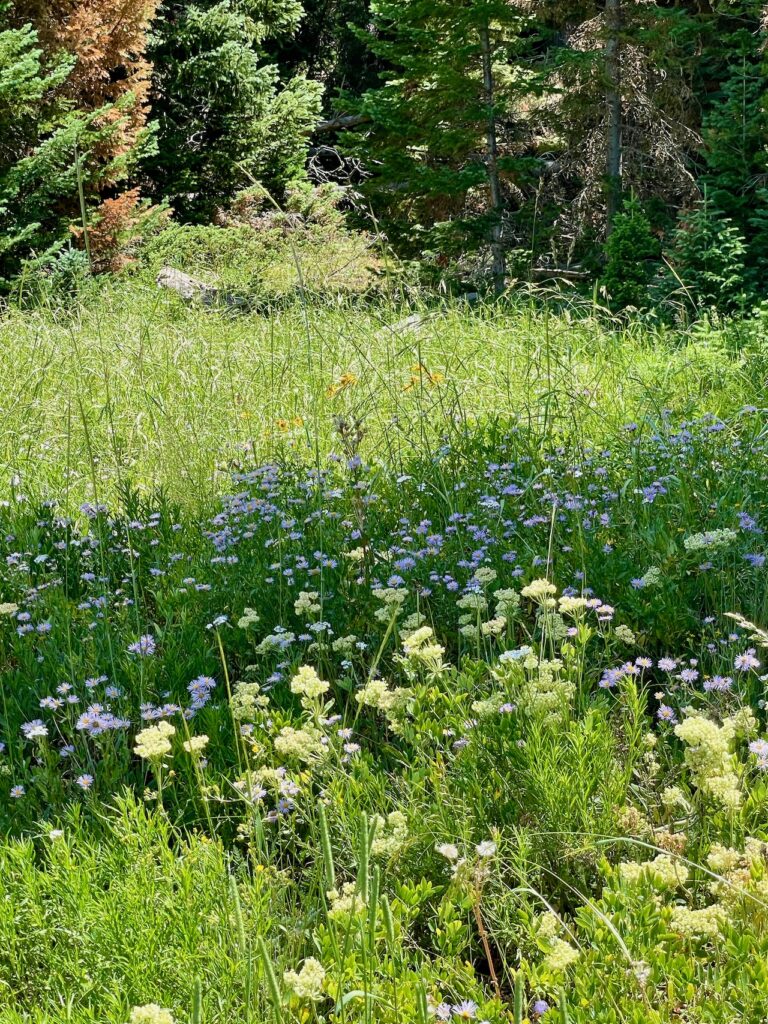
221	117
50	151
443	131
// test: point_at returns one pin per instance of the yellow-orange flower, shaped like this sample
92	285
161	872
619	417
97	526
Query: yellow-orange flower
346	380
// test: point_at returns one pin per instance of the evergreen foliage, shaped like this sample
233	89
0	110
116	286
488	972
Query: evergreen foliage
707	256
425	138
632	252
220	114
48	151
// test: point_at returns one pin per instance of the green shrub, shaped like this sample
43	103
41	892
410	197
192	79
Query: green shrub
632	252
707	257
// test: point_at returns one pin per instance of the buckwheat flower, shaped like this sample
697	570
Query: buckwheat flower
465	1010
144	647
712	540
560	956
155	742
308	982
150	1014
308	683
302	744
195	745
539	590
84	781
486	849
672	796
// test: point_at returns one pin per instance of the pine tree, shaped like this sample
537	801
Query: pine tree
735	158
221	117
444	129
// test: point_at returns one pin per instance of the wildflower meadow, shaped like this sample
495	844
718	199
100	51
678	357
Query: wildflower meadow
359	669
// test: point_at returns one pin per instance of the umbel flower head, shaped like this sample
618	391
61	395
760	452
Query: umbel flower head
195	745
539	590
308	683
308	982
150	1014
155	742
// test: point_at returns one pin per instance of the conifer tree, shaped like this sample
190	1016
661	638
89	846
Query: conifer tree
443	131
222	118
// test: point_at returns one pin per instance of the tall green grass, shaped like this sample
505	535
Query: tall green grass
133	386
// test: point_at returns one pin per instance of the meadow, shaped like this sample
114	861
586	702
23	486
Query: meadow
381	661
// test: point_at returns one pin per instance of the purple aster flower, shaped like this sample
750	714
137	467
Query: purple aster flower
758	561
34	730
718	683
666	714
745	662
465	1010
667	664
144	647
540	1007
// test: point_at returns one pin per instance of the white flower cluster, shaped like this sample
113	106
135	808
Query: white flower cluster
154	742
308	982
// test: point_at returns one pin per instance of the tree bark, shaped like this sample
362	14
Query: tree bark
613	110
492	168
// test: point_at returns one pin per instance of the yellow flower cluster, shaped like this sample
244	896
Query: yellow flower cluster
247	701
742	873
703	923
154	742
539	590
195	745
308	982
662	872
302	744
545	691
307	603
507	602
308	683
420	650
392	600
709	757
391	832
346	903
560	956
150	1014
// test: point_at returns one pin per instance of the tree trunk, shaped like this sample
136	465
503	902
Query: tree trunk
492	167
613	110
